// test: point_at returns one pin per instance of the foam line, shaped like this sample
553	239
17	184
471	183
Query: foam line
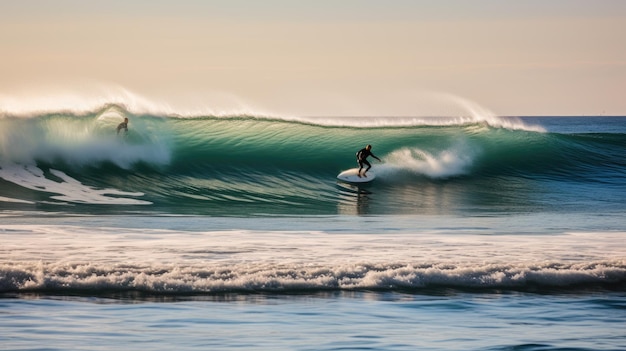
212	278
170	261
70	189
8	199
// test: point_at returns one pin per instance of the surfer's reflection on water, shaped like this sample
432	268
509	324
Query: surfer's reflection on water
363	202
353	199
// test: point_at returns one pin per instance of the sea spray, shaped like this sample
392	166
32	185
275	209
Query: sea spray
452	162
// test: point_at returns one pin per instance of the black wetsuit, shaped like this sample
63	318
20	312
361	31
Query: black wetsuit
361	159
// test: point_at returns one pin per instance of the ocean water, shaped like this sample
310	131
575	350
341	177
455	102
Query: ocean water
232	232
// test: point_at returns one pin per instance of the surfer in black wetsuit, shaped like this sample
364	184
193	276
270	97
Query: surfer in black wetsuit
361	159
123	125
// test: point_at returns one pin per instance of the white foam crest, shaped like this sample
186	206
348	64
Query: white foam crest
449	109
475	113
92	97
272	277
432	109
68	188
60	99
72	257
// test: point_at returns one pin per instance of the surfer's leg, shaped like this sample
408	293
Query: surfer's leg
360	167
367	169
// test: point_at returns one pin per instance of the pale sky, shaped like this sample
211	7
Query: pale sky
367	57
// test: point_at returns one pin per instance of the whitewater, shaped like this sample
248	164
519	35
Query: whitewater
156	261
231	231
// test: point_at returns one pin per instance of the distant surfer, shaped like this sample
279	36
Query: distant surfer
361	159
123	125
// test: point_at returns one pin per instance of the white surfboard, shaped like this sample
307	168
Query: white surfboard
351	176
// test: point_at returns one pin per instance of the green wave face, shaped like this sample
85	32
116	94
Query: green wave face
246	165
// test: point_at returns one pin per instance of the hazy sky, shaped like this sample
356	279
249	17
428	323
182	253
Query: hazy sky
546	57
